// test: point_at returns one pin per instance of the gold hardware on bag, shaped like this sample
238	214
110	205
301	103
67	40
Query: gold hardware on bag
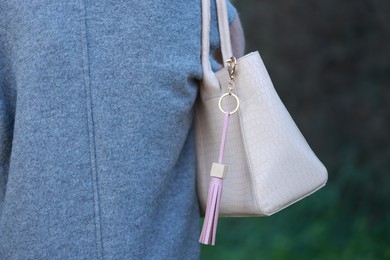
232	62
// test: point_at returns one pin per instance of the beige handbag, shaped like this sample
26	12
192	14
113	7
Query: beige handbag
271	166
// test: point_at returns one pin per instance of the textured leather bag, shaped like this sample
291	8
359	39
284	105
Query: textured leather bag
271	166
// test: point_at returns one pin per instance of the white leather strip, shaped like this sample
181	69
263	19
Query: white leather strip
224	31
209	77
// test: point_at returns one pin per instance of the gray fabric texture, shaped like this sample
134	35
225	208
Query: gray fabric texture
97	155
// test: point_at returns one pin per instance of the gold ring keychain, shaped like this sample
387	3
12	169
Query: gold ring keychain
220	103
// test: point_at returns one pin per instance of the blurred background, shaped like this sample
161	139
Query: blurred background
330	63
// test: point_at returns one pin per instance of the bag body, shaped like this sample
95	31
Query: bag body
270	163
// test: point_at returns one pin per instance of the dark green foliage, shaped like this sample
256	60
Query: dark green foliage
330	63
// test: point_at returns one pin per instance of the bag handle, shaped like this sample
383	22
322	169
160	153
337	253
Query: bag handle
224	31
209	77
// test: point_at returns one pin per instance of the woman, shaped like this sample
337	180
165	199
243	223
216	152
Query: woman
97	153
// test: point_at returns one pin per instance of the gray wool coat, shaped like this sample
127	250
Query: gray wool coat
97	153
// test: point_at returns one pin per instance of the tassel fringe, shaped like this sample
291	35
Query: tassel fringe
218	171
209	229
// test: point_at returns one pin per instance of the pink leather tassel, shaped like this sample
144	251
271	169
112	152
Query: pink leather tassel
209	229
218	171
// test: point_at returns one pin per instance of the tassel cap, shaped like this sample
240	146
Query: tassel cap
218	170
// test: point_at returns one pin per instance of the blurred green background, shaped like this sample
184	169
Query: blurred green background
330	63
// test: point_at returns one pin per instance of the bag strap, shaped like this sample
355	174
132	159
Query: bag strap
224	31
209	77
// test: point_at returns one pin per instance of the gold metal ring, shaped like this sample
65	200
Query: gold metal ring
220	103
